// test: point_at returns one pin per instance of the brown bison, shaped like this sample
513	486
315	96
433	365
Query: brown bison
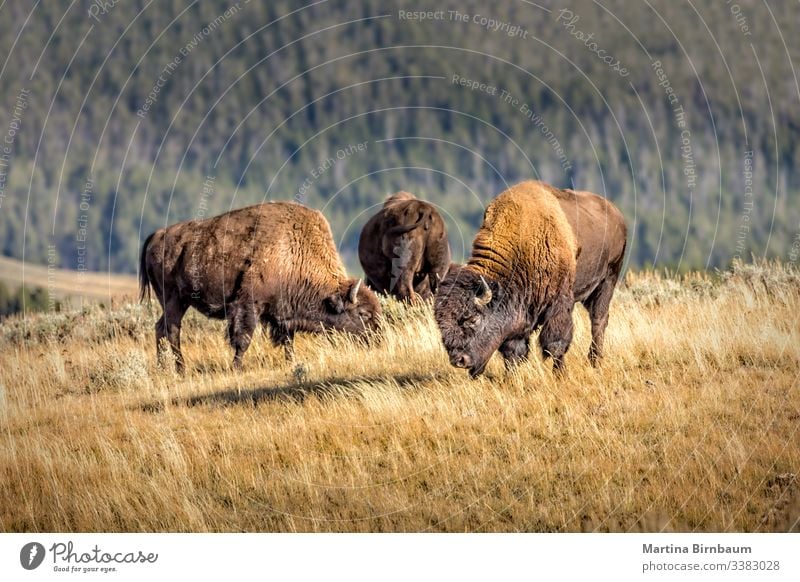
403	249
272	263
523	274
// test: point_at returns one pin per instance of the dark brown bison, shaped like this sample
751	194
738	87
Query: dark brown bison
273	263
520	278
404	249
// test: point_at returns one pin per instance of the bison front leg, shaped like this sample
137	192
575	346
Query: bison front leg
556	335
169	326
598	304
242	322
515	350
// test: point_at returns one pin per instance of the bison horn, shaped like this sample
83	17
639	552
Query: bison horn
485	297
354	292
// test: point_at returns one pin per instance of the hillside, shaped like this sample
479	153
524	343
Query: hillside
690	424
63	283
687	115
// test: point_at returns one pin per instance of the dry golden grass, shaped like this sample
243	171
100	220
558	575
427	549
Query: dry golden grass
690	424
63	283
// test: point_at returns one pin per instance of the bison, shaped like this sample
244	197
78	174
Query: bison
273	263
538	251
404	249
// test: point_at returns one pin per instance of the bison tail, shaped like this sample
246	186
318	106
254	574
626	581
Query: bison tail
144	278
422	220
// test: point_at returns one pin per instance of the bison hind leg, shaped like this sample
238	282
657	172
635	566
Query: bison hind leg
556	335
597	304
242	323
168	331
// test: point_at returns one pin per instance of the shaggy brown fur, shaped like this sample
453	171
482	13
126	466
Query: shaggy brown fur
275	263
600	230
520	276
404	249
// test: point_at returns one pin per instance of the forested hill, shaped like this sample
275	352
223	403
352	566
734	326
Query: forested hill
120	116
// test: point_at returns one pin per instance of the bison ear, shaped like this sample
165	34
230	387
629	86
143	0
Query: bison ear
334	304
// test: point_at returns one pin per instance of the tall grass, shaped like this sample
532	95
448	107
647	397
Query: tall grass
690	424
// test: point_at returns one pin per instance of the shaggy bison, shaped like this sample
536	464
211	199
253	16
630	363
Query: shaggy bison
403	249
601	234
523	274
273	263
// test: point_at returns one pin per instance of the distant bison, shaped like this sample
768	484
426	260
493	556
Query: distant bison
273	263
404	249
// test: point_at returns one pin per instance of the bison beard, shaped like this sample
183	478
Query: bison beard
520	277
273	263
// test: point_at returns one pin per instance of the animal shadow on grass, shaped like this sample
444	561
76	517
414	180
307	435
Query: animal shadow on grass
297	391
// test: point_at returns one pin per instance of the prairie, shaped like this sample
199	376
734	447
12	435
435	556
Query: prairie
690	424
64	283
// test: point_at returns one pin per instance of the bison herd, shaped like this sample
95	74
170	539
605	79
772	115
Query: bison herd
538	251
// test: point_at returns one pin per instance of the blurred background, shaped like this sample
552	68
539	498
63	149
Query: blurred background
120	117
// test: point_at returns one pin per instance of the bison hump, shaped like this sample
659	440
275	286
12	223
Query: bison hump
399	197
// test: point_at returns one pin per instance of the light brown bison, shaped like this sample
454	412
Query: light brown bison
520	277
601	234
273	263
404	249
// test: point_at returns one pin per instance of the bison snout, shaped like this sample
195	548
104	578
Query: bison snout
461	360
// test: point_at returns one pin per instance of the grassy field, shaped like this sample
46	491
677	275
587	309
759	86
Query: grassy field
63	283
690	424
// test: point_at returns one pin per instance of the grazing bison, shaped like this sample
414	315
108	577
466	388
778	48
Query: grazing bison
273	263
403	249
523	274
520	276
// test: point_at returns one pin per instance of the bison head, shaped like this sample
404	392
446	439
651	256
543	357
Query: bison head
472	317
354	308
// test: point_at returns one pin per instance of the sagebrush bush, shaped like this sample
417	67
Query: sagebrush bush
120	369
